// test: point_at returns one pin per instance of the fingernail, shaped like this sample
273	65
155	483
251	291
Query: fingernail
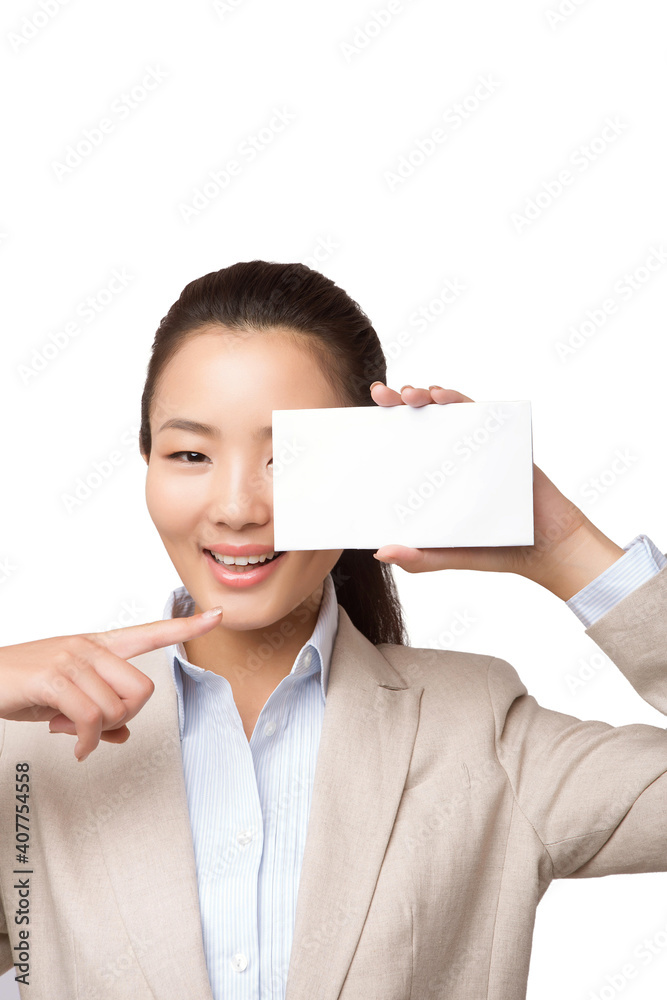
407	387
212	613
435	387
376	383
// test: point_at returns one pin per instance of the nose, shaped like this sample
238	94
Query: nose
240	495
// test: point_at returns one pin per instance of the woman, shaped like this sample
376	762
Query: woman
444	800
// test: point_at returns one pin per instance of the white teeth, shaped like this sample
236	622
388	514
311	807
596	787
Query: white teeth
242	560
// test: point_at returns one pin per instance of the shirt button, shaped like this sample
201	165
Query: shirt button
239	962
269	729
307	658
244	837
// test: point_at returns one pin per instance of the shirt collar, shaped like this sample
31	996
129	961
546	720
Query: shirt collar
320	645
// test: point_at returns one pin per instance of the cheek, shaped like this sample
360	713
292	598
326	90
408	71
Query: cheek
170	505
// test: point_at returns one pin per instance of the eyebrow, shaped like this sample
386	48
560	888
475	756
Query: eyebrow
207	430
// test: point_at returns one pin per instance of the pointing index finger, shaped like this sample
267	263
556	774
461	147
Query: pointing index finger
136	639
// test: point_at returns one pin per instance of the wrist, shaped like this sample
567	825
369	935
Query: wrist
579	561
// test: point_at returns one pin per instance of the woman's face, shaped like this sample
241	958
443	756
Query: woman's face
219	490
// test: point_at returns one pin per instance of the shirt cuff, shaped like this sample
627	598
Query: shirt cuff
641	561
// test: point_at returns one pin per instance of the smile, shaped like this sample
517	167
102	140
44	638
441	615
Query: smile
244	560
243	571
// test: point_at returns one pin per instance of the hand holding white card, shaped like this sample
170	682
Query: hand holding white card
430	476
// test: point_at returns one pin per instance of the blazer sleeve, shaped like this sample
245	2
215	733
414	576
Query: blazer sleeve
595	794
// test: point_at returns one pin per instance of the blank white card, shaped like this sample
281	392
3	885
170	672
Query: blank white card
439	475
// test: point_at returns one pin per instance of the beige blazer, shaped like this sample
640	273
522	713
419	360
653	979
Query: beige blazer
445	801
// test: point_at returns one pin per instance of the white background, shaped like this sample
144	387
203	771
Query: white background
323	182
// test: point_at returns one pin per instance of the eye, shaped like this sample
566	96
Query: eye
176	455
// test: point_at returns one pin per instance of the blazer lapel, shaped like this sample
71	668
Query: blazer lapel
138	794
368	732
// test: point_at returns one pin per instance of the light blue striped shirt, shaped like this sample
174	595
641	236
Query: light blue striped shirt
641	561
249	802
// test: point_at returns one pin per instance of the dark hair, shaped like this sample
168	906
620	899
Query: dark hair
252	296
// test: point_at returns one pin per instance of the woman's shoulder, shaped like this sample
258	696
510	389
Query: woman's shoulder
472	683
438	668
457	691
